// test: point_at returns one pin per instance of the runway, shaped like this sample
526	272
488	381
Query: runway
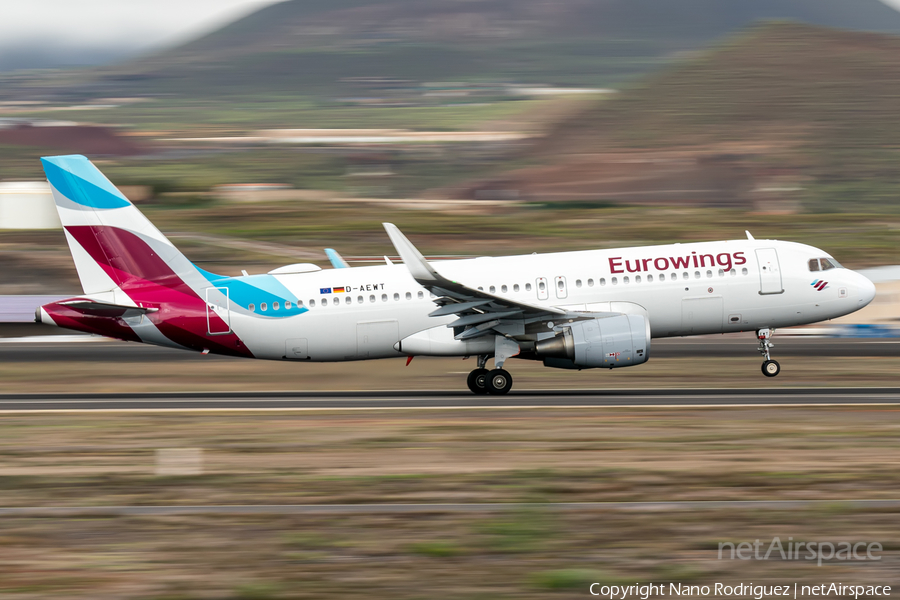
435	508
43	349
411	400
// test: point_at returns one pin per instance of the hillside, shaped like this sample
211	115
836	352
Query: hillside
780	106
309	46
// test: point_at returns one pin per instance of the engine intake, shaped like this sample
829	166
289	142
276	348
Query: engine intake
619	341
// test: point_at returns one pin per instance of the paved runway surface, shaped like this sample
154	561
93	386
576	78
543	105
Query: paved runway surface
319	509
717	346
442	400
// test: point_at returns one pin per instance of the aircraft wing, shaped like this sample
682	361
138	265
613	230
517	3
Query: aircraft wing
337	261
478	311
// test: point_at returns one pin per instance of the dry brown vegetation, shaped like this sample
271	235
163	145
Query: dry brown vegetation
437	457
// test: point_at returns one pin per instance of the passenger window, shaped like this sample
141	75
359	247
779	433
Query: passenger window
590	283
637	278
384	297
650	278
299	303
275	306
733	272
814	264
744	271
721	273
348	300
662	276
372	298
480	289
311	303
421	295
408	296
685	275
603	281
696	274
252	307
396	297
493	289
626	279
263	307
324	301
709	273
287	305
542	286
516	287
577	283
360	299
615	280
527	287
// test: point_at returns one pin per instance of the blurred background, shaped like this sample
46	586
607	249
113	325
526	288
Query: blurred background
255	134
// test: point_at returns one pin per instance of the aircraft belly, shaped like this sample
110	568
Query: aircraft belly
343	335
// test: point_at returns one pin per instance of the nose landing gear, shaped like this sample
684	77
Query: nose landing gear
770	368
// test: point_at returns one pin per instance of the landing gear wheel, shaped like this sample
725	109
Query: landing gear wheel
498	382
477	381
771	368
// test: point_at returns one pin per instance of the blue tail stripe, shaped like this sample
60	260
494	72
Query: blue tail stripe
81	182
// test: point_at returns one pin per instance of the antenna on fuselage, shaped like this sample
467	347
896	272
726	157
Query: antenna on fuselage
749	236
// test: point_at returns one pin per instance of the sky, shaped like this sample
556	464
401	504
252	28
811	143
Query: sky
40	32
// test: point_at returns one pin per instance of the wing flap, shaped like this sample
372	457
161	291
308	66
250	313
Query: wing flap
428	277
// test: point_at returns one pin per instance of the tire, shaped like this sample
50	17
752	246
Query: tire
477	381
499	382
771	368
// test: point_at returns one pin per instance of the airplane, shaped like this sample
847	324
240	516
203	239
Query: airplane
569	310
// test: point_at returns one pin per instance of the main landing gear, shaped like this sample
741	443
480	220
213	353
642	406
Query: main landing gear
482	381
770	368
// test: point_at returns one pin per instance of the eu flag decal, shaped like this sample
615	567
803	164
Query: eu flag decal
324	290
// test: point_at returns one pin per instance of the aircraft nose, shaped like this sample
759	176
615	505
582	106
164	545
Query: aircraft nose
866	290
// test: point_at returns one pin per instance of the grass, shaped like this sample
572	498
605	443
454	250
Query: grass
507	456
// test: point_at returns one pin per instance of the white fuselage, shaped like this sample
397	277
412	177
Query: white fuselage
685	289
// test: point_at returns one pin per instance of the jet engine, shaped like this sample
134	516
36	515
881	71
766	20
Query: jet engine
617	341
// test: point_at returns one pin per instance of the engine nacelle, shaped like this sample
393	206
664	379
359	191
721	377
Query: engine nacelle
620	341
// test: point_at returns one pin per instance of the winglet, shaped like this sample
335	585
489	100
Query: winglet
415	262
337	261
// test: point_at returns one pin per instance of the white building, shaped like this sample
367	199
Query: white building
27	205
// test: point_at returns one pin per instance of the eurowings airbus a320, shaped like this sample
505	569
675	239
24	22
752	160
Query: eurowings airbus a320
570	310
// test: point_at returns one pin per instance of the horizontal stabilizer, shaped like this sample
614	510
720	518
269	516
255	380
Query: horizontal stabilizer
102	309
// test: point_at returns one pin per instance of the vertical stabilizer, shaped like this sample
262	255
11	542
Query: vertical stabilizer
114	246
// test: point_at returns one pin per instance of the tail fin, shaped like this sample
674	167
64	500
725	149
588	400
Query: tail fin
114	246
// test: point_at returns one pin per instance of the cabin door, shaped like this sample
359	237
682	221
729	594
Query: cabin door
769	271
218	311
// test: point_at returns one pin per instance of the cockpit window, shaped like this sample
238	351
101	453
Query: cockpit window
823	264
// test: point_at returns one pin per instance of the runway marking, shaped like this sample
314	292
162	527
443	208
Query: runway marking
143	510
462	407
